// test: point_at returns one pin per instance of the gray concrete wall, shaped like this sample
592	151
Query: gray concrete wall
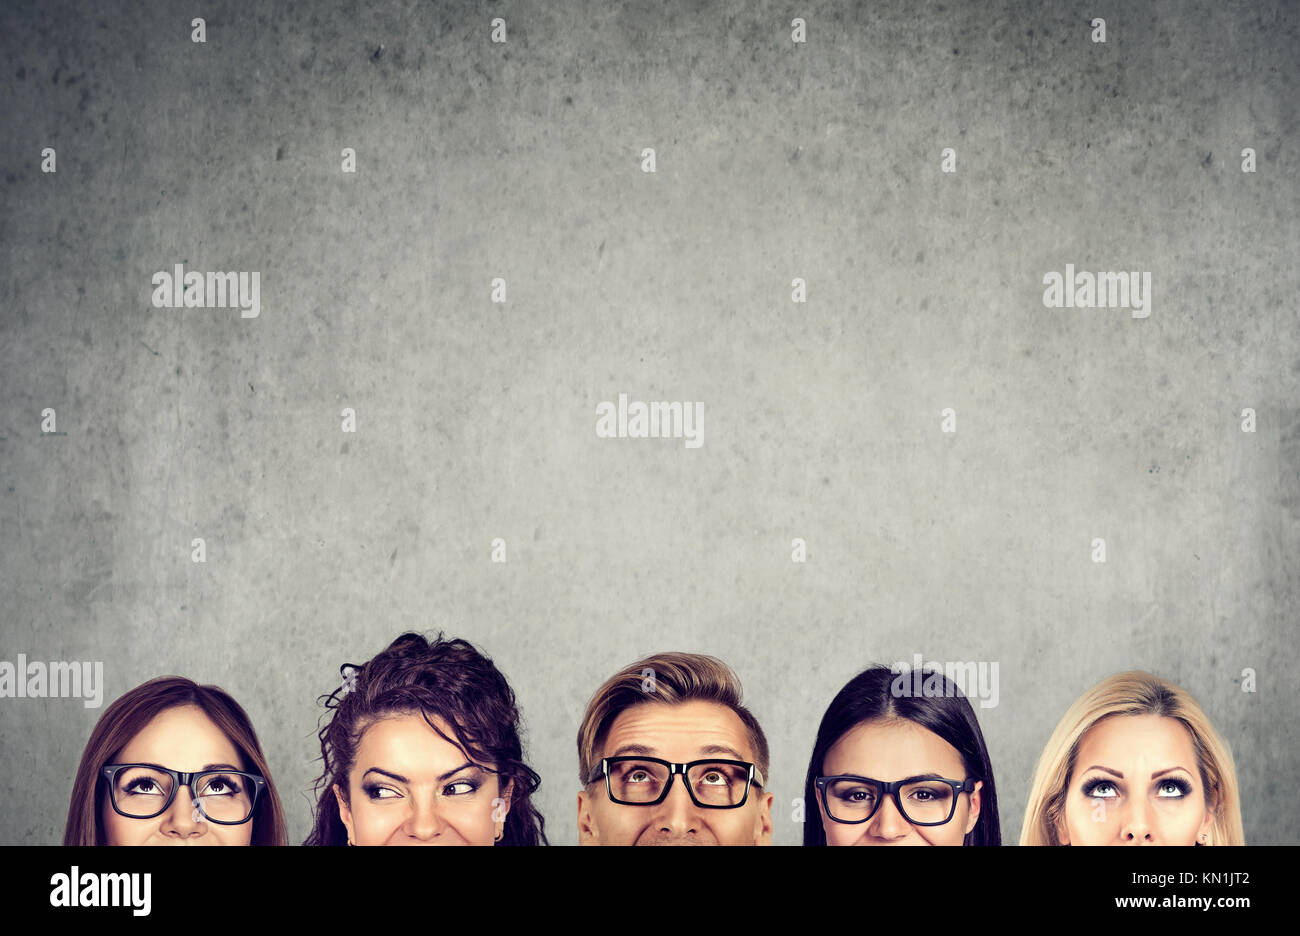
822	420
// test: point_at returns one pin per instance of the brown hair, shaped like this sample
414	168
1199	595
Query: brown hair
665	678
127	716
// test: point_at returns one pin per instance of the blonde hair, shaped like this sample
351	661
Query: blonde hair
1131	693
665	678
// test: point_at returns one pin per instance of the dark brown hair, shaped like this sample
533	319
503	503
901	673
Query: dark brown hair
127	716
874	695
446	678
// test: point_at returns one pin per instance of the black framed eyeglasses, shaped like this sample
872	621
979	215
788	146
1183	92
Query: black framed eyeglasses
645	781
143	791
921	801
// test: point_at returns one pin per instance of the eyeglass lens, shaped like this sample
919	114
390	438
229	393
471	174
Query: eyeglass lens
714	784
223	796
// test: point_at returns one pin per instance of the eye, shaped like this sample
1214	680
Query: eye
713	778
857	796
1100	789
1173	789
221	786
460	788
143	786
377	792
638	776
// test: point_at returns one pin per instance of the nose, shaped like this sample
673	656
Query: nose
426	820
677	814
182	819
1135	827
888	823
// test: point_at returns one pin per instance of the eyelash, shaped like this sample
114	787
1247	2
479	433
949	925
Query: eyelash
1184	788
372	790
1091	786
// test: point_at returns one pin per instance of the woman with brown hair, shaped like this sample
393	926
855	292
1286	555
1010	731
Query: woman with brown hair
422	747
164	735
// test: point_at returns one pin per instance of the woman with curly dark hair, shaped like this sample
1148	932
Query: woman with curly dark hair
422	748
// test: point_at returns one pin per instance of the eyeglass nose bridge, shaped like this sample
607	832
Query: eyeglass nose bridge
186	780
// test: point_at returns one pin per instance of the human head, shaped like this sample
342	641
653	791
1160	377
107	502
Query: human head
422	746
678	707
1166	722
876	725
175	723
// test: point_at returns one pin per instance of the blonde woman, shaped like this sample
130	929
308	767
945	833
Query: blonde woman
1134	761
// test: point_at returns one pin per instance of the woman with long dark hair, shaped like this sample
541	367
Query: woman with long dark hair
422	747
900	759
174	763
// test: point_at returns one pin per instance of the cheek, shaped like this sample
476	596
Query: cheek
954	833
473	821
1091	821
235	835
1180	826
733	825
117	829
372	822
618	825
839	834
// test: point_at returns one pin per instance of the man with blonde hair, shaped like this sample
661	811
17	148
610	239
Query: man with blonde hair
672	716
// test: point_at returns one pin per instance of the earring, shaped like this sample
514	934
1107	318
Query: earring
499	835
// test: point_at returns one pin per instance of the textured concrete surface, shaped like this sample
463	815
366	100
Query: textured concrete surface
822	420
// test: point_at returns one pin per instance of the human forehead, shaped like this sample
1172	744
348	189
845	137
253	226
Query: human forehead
1147	743
406	743
892	749
679	731
182	738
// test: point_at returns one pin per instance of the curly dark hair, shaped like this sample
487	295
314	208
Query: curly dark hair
446	678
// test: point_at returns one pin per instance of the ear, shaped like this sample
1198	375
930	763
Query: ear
345	814
974	806
505	795
588	831
763	821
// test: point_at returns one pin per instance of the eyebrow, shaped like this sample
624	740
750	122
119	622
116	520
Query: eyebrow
1155	776
1113	773
640	749
400	779
721	749
202	769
